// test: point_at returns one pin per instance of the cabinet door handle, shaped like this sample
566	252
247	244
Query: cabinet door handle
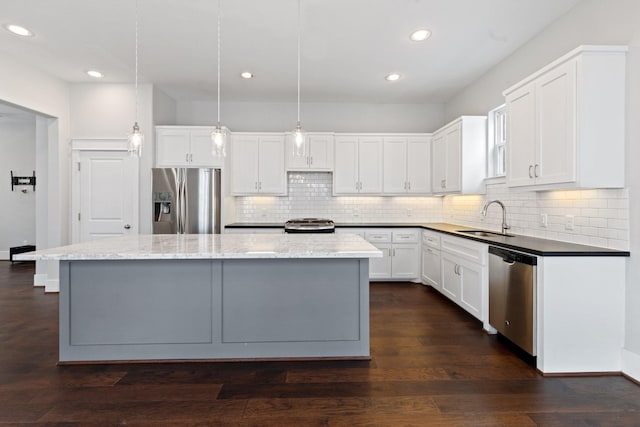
255	185
260	185
530	171
394	251
186	157
311	160
536	170
408	185
191	158
389	252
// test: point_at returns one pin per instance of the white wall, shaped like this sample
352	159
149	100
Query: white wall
315	117
108	111
28	87
590	22
164	108
18	215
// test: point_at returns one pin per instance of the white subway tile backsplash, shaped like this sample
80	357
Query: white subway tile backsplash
601	217
310	195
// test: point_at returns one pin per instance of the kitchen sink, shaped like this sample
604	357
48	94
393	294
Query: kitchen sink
483	233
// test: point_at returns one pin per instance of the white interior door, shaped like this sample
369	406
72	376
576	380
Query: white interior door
107	192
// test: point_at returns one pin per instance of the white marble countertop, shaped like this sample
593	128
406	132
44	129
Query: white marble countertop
212	246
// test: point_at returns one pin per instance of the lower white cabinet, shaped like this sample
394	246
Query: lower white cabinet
400	254
431	268
464	274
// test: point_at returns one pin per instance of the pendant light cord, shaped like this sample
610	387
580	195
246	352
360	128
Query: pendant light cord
299	62
136	85
218	63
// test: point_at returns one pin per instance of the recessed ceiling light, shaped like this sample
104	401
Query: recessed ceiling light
392	77
17	29
246	75
95	74
420	35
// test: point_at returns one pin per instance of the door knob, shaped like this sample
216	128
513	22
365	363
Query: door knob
127	226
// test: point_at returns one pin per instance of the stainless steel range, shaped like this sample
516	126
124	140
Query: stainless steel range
309	225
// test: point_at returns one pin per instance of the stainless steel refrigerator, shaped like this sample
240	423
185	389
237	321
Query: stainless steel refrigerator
186	201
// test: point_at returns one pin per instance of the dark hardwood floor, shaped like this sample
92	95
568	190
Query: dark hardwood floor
431	366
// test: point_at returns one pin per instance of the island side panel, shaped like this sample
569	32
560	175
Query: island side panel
141	309
115	333
290	300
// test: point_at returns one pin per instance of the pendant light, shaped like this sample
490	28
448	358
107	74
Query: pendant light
136	138
298	133
218	136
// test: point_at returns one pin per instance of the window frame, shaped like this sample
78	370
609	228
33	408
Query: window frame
497	142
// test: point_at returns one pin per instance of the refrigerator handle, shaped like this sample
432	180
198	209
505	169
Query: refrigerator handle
183	201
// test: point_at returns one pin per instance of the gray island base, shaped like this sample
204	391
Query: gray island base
233	308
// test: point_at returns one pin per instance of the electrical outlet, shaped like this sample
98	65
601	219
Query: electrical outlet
544	220
568	222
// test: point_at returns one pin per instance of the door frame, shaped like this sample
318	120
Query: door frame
78	146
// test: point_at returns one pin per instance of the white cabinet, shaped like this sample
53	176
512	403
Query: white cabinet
464	274
318	153
257	164
458	159
400	254
407	163
185	146
431	268
358	165
565	123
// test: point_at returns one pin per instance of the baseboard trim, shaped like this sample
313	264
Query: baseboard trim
4	255
40	280
52	285
631	365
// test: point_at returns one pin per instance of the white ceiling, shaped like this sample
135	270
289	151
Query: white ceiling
348	46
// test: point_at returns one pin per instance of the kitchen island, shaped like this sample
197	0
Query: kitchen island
213	297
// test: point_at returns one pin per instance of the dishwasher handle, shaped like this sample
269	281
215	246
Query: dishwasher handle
511	257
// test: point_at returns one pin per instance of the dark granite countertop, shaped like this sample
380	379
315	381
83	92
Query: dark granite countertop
528	244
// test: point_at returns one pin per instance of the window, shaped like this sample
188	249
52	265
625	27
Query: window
497	140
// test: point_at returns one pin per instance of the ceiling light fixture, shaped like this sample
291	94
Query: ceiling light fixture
392	77
95	74
136	138
218	136
246	75
19	30
298	133
420	35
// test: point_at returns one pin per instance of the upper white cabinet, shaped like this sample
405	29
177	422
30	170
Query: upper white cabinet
407	163
565	123
358	165
458	159
257	164
318	153
185	146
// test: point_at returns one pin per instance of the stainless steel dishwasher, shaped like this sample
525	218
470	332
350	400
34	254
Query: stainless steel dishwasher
512	296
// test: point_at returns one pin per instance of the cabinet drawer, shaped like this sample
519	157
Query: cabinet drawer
431	239
405	236
383	236
467	249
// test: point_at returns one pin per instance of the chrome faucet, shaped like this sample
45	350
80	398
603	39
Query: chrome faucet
505	227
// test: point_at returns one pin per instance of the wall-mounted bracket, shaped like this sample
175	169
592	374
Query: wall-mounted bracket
23	180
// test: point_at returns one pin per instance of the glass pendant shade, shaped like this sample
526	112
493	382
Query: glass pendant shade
219	138
298	141
135	139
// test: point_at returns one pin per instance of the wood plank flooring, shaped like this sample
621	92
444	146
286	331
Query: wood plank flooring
431	366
